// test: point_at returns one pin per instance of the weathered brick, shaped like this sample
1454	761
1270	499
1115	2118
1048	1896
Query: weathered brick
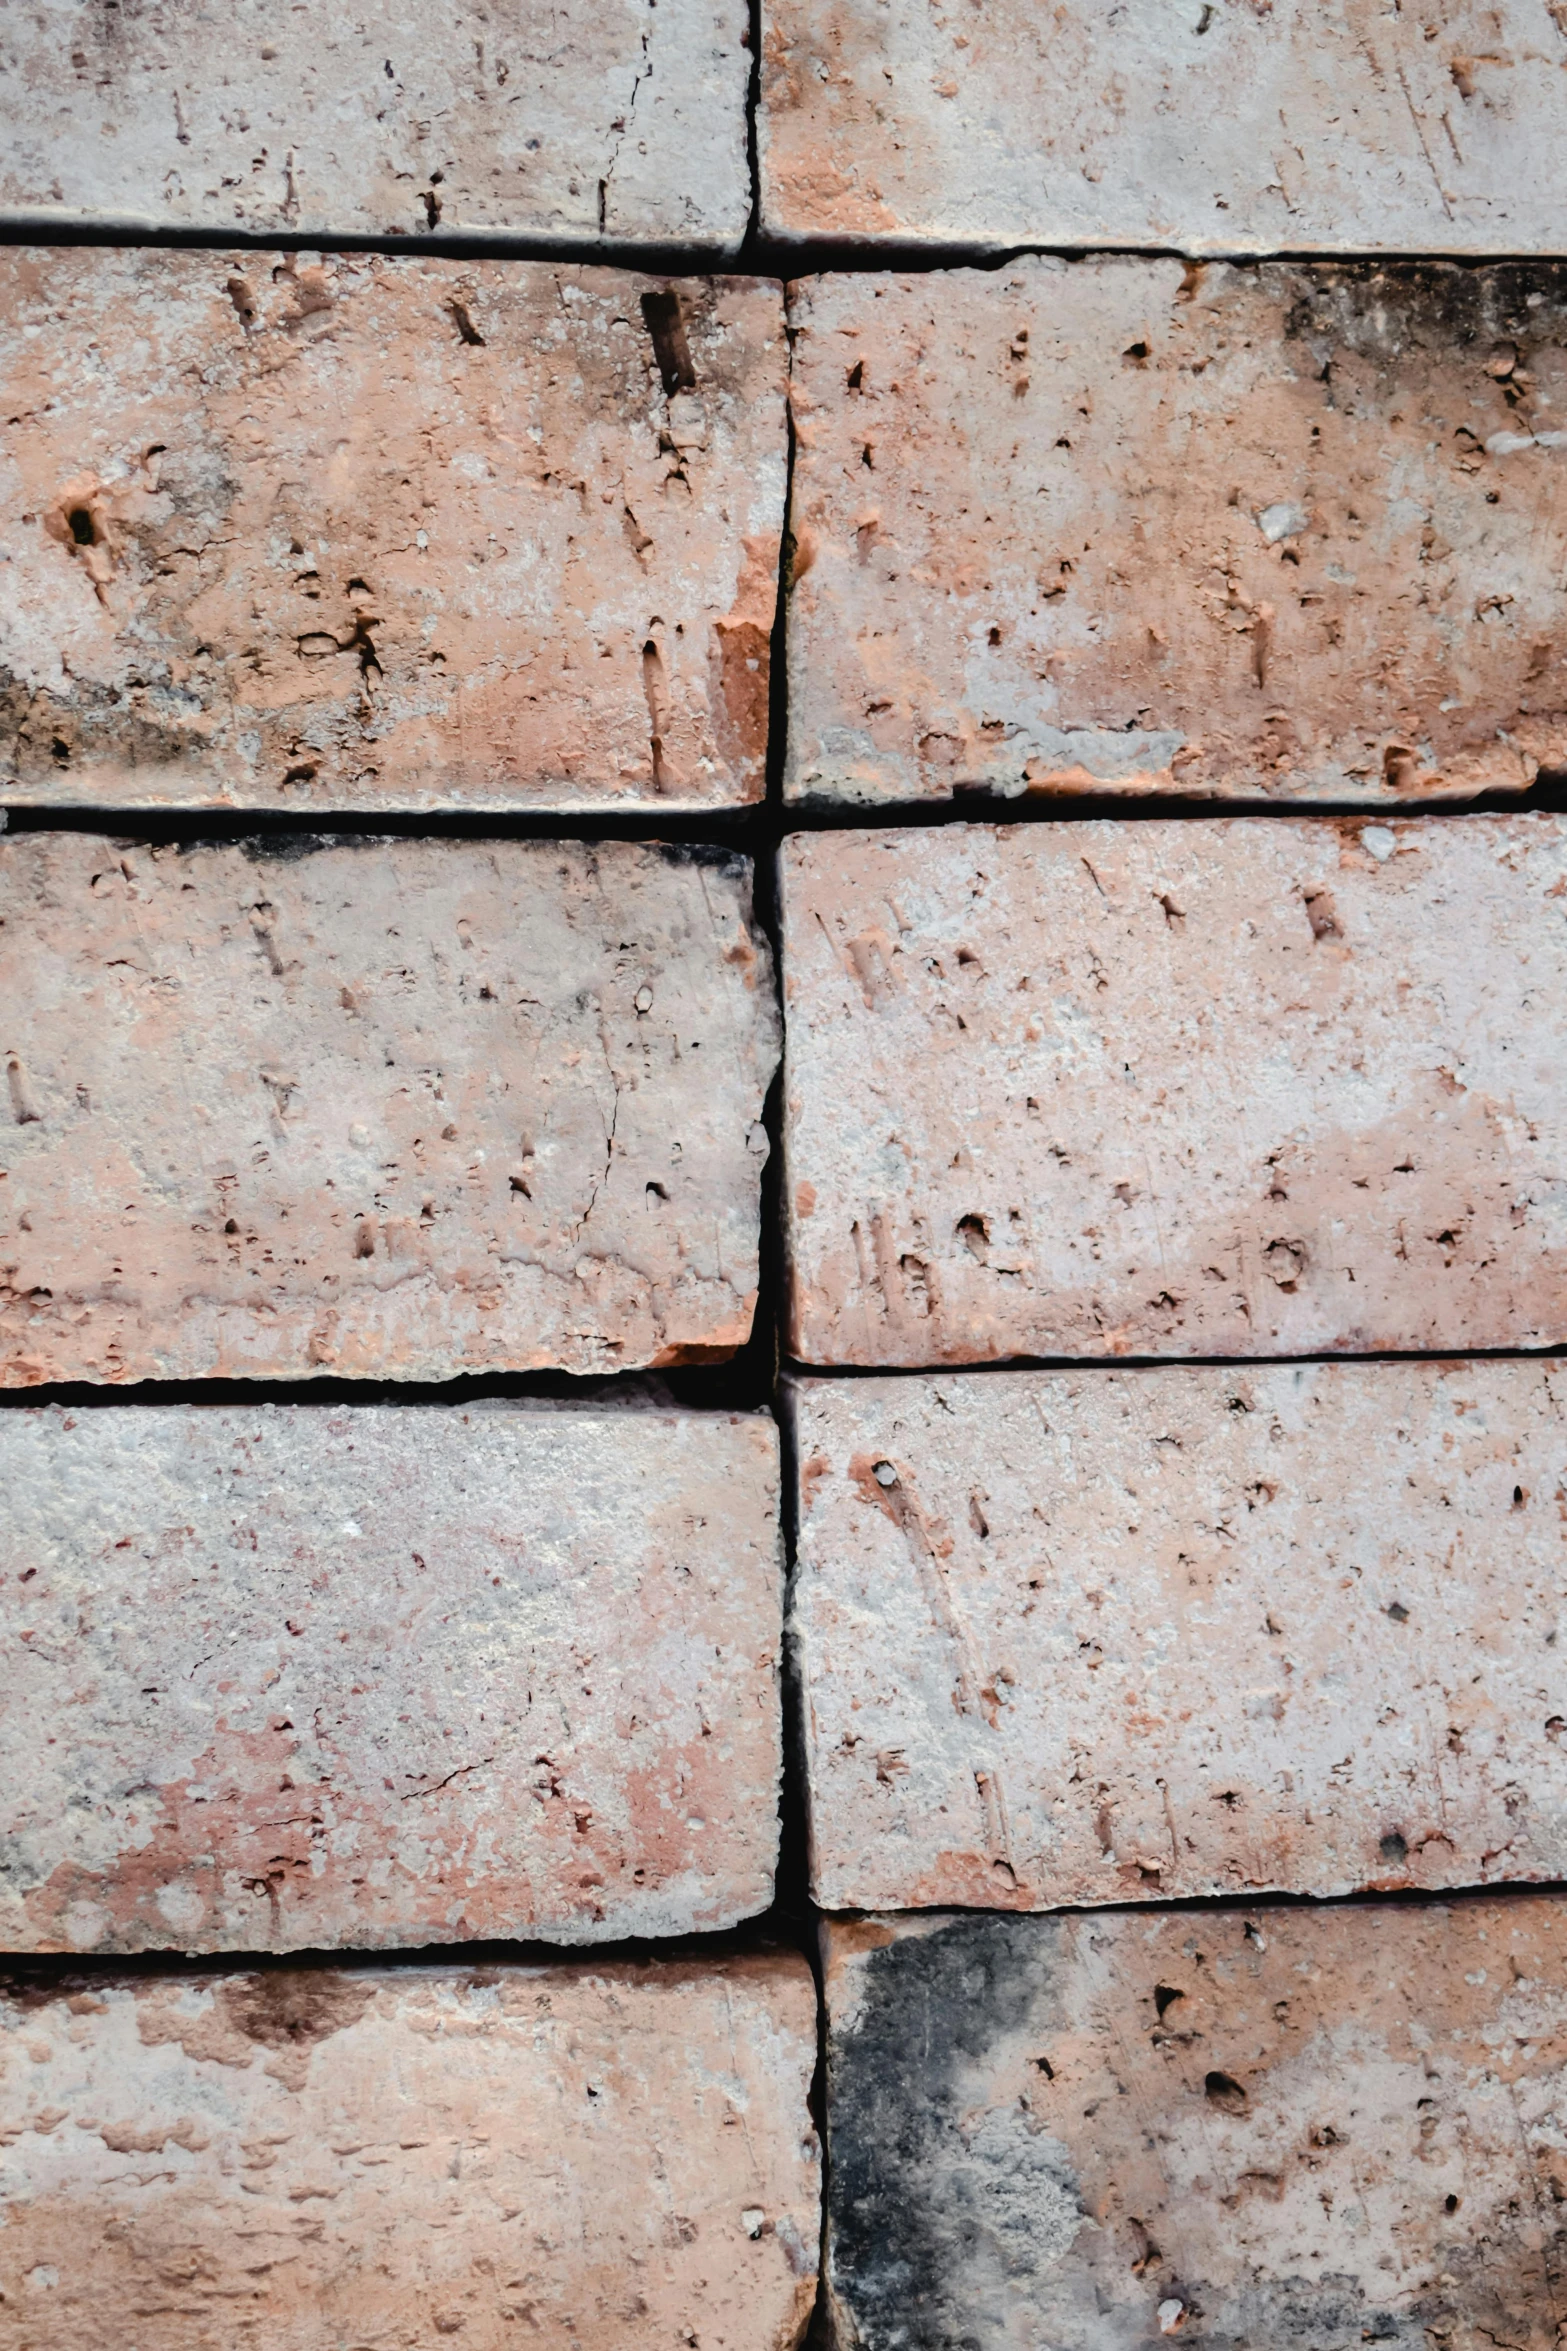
1248	1087
1225	128
610	2156
1109	1636
1286	2128
296	533
618	124
1116	526
391	1109
286	1678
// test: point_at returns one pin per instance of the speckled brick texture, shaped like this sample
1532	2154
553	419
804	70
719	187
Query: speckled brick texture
282	1677
611	2156
1261	1086
623	123
1111	1636
292	533
1277	2127
392	1110
1123	526
1240	126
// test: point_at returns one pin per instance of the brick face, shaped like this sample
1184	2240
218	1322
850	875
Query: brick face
287	1678
389	1110
1120	526
290	533
616	125
1277	2127
1257	1087
1228	129
616	2156
1110	1636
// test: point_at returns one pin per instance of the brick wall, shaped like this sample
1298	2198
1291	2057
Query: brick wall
783	1177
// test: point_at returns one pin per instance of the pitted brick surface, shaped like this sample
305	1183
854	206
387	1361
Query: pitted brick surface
390	1109
621	123
292	533
1289	2128
1240	126
1110	1636
612	2156
1248	1087
1120	526
291	1678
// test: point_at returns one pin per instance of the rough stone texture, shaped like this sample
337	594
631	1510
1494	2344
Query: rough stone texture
1120	526
1242	126
308	2160
553	123
1287	2130
294	533
288	1677
1248	1087
388	1109
1104	1636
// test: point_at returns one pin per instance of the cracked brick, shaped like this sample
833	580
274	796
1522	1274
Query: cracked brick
380	1109
386	1676
294	533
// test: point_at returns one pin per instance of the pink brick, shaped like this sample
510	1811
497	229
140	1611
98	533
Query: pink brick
294	533
1120	526
1226	126
387	1110
1243	2127
1108	1636
611	2156
1256	1087
285	1678
224	115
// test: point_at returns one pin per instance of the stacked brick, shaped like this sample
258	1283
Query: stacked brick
1163	881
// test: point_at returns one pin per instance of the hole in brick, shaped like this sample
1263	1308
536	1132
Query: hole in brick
1394	1848
60	751
884	1473
656	1192
83	529
231	1226
662	318
1135	355
856	378
1555	1725
1449	2203
976	1236
1222	2089
244	301
993	635
1044	2066
1165	1997
432	207
1398	1612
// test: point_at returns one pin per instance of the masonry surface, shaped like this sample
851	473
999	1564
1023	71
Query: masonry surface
783	1176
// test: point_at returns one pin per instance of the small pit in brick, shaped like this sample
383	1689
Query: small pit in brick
83	529
662	317
1222	2089
1394	1849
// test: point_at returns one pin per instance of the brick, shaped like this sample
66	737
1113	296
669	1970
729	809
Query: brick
1120	526
1256	1087
1111	1636
612	2155
1289	2128
283	1678
365	532
1225	129
390	1109
622	126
